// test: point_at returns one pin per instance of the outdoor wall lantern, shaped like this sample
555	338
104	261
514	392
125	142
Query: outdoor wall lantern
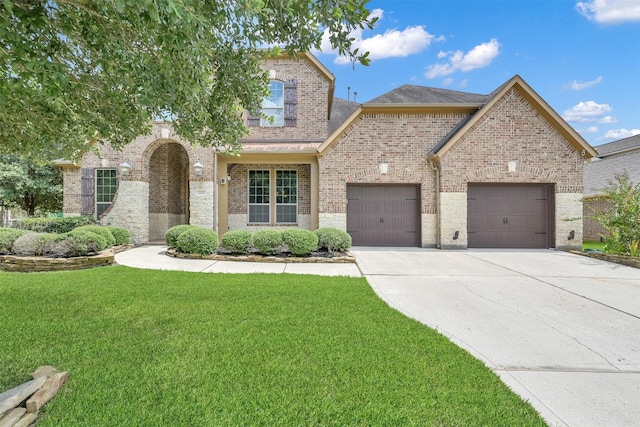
572	235
384	168
198	167
125	168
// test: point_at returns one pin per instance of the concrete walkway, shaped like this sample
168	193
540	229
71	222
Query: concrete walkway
562	330
155	258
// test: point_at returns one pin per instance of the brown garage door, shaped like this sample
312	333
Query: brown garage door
510	216
383	215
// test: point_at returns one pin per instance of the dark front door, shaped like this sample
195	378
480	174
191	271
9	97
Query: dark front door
510	216
383	215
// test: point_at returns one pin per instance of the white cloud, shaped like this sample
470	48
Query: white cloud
608	120
478	57
590	129
391	44
587	111
610	11
621	133
576	85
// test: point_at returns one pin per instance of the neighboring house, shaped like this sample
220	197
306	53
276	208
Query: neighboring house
614	158
417	166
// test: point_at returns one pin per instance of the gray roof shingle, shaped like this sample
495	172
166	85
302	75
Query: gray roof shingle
411	94
340	111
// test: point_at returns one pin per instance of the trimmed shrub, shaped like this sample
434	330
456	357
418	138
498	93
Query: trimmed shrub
83	242
53	225
237	241
122	235
301	242
171	236
267	241
7	237
103	231
333	239
35	244
198	240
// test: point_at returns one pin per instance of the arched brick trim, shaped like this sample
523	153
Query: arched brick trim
524	173
153	146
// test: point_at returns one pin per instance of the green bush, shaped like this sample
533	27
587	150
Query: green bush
198	240
122	235
171	236
103	231
53	225
237	241
267	241
301	242
83	242
35	244
7	237
333	239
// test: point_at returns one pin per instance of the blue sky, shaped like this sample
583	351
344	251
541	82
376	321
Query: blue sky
582	57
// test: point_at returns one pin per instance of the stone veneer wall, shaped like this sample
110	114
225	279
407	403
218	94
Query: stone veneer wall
201	210
130	210
312	101
568	219
402	140
512	131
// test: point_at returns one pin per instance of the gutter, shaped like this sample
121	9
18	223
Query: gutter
435	167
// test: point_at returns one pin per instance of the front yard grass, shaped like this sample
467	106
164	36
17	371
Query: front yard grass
158	348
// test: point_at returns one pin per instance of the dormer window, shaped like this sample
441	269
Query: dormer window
273	105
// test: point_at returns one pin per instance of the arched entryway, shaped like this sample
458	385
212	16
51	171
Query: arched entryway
168	189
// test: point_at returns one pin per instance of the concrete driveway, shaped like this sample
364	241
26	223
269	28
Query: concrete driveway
562	330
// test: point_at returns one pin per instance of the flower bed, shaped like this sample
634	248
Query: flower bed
317	257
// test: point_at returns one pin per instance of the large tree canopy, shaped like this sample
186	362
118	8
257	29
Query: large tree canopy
80	72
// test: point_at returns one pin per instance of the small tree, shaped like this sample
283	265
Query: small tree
28	185
622	219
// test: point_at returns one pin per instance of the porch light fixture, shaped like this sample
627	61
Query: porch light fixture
384	168
198	167
125	168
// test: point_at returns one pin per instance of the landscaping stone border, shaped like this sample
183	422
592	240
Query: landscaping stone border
629	261
345	259
30	264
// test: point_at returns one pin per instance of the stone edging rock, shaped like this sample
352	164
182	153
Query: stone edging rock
29	264
618	259
348	258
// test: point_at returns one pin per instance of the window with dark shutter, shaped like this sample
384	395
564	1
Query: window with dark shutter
87	191
291	103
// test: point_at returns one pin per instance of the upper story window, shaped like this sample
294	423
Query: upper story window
281	105
273	105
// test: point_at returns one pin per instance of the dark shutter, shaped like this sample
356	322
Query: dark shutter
253	121
87	191
290	102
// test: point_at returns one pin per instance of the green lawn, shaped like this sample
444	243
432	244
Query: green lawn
593	245
149	348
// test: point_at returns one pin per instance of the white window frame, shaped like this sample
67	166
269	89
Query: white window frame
254	203
99	195
273	105
278	194
273	203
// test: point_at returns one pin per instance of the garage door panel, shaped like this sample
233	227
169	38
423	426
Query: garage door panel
383	215
508	216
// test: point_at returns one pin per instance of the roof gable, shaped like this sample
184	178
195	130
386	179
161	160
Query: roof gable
534	99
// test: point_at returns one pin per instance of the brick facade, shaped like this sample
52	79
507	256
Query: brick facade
312	101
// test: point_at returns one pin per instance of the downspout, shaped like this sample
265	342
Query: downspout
435	167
